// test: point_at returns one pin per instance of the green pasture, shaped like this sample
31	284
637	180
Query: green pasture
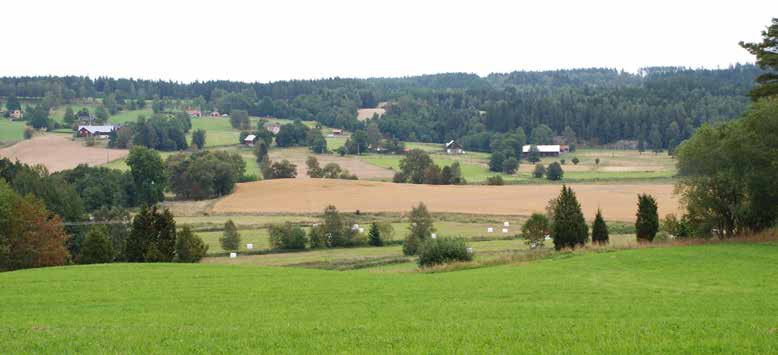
699	299
11	131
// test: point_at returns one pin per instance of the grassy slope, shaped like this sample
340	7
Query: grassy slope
714	298
11	131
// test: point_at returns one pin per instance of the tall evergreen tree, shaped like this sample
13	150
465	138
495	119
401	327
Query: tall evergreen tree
569	227
375	236
152	237
230	240
599	229
647	223
766	54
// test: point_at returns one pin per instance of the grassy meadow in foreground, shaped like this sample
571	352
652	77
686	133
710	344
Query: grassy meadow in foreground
699	299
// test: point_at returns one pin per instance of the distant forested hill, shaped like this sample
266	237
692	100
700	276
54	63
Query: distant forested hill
597	105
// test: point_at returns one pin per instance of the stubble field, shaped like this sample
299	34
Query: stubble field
59	152
617	201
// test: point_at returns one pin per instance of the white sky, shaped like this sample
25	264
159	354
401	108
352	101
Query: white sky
295	39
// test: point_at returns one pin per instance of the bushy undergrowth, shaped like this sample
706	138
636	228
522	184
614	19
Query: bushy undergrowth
443	250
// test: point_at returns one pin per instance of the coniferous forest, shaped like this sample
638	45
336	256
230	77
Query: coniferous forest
658	107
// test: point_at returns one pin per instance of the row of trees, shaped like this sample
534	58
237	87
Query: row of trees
161	132
564	223
32	236
335	231
329	171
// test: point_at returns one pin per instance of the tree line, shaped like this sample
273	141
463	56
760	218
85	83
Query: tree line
659	106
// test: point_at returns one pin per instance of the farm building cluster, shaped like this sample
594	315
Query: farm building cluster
96	131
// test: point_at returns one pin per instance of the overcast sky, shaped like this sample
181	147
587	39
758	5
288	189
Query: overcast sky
295	39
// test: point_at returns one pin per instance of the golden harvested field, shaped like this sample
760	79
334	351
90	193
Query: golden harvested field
59	152
617	201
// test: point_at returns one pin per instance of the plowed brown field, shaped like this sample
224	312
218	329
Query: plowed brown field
617	201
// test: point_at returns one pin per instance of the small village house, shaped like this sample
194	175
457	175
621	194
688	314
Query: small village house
95	131
453	147
545	150
250	140
273	127
215	114
16	115
337	132
194	113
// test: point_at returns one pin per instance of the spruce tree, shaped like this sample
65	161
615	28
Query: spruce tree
375	236
96	247
569	227
230	240
647	223
599	229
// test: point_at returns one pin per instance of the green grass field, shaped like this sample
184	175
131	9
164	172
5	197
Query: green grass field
700	299
614	165
11	131
218	131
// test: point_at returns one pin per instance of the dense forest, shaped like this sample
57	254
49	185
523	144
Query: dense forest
659	106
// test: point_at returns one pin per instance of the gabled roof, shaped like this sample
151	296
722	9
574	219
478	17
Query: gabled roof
98	129
250	137
542	148
449	143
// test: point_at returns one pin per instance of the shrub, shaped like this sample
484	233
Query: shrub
230	240
96	247
562	161
575	161
495	180
189	247
28	132
398	177
283	170
554	172
443	250
198	138
675	227
510	165
386	230
331	171
314	169
496	161
535	230
539	171
287	236
317	237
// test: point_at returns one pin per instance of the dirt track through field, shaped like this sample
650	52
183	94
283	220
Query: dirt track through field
58	152
617	201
